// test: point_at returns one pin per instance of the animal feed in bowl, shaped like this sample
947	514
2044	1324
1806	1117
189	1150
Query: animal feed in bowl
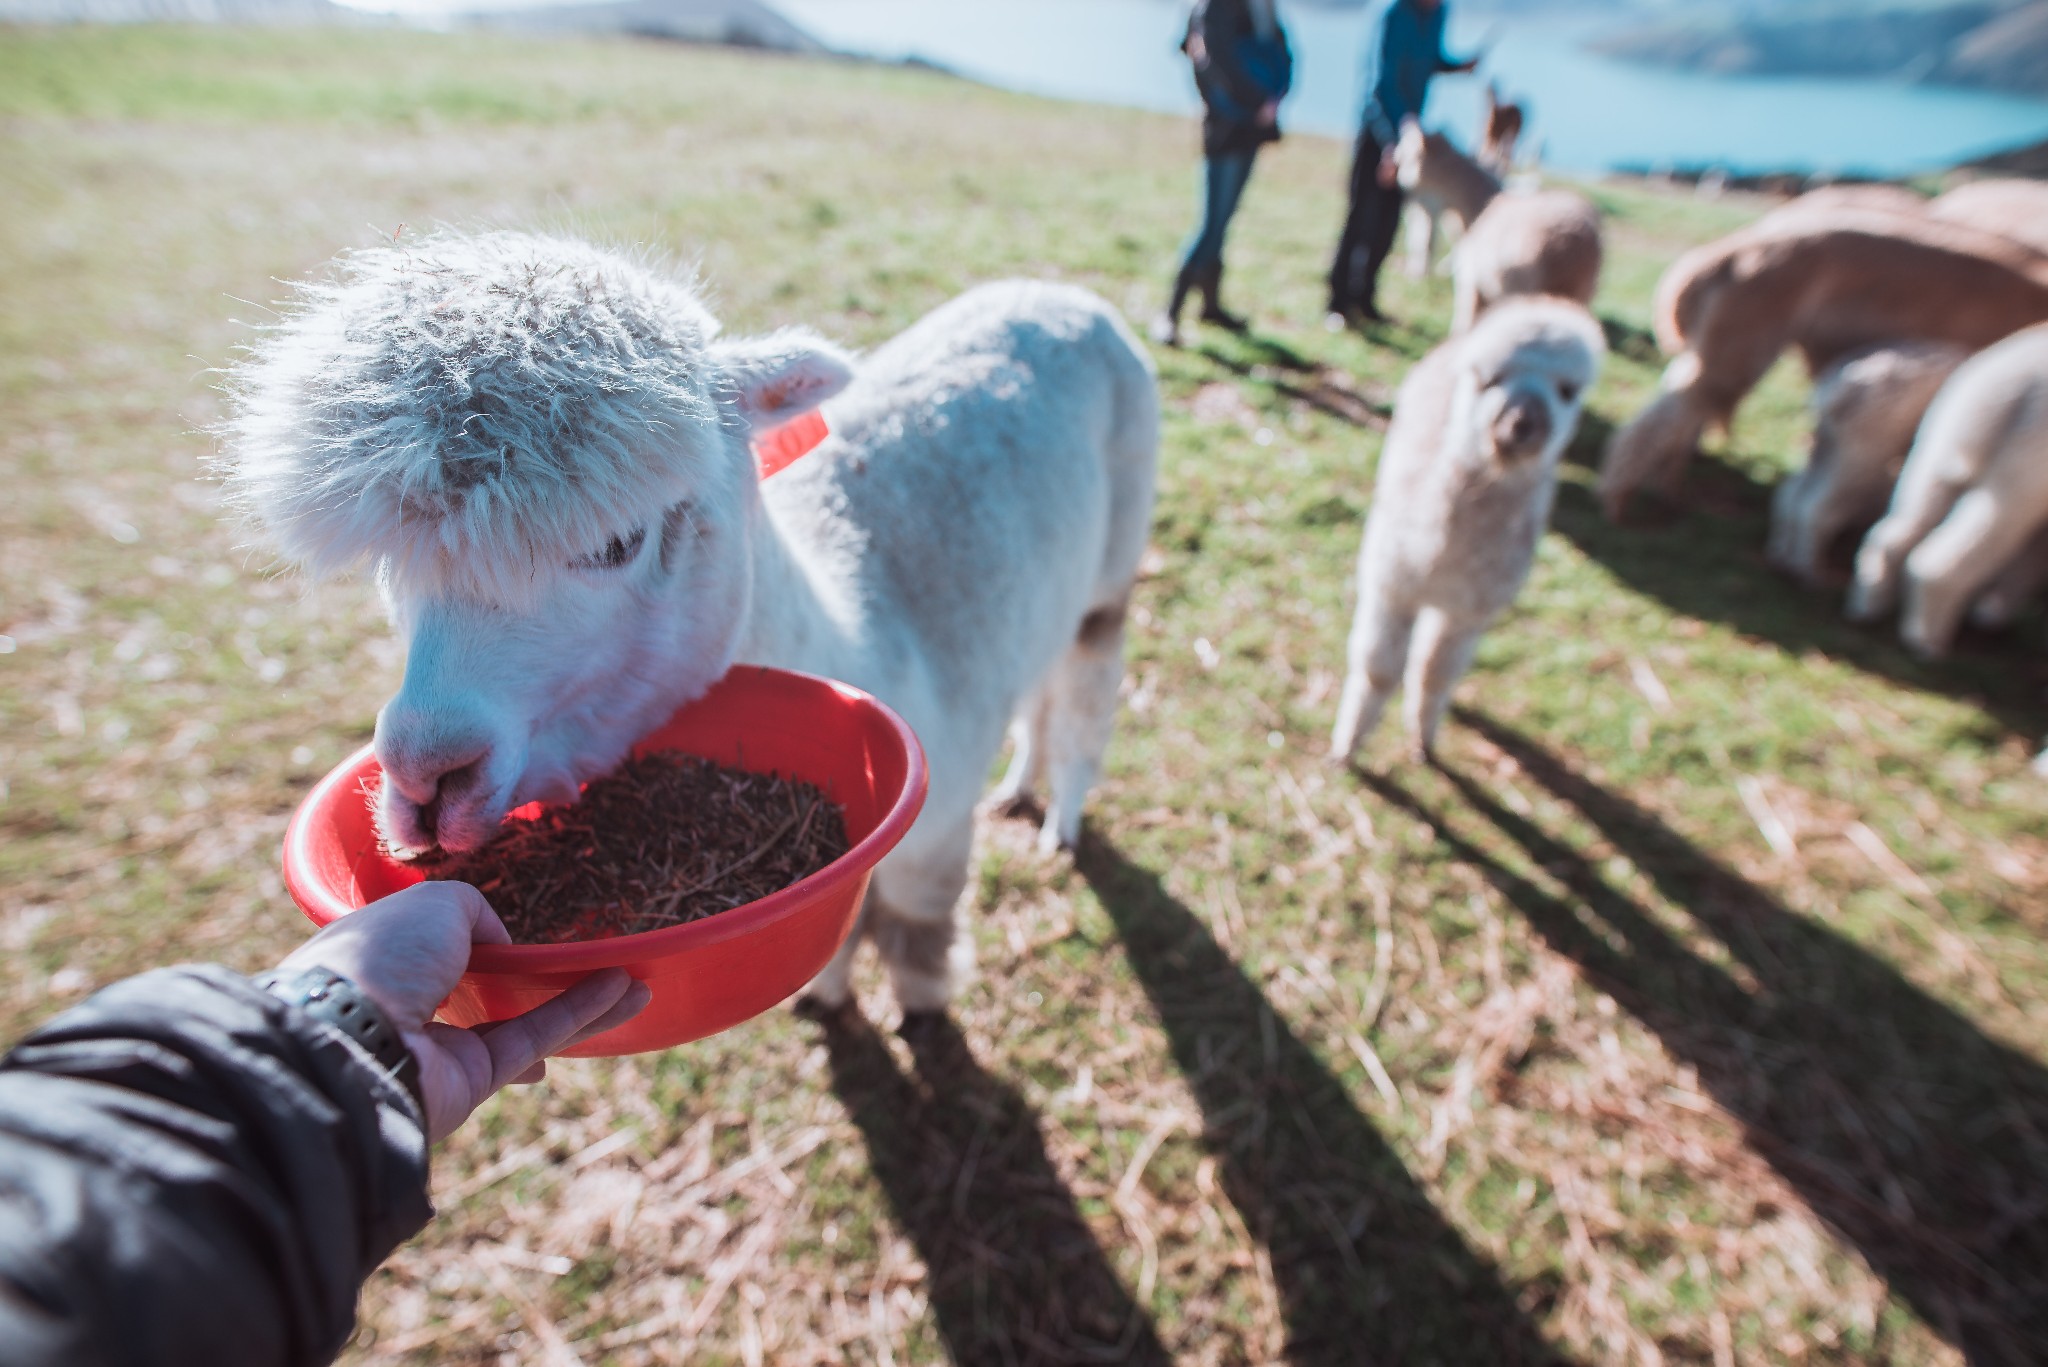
663	840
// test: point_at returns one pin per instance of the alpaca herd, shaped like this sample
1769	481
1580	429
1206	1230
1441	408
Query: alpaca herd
541	450
1921	322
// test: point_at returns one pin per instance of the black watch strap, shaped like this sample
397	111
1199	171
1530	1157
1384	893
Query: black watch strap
336	1002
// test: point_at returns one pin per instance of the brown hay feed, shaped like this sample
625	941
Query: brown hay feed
663	840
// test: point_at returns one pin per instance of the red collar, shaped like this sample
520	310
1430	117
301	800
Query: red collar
785	444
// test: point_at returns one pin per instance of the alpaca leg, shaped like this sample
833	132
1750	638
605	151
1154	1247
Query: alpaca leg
915	920
1377	652
1442	654
2000	605
1081	702
1881	559
833	987
1789	537
1027	758
1943	574
1654	448
1833	508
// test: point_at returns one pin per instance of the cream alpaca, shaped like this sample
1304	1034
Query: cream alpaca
1866	409
1463	495
1971	502
541	449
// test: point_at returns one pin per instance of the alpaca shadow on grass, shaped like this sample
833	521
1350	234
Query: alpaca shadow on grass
1368	1271
1014	1274
1321	387
1919	1139
1706	561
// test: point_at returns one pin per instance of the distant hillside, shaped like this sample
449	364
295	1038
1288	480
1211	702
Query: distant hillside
1987	44
740	23
177	11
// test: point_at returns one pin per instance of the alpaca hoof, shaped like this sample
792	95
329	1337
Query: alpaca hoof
1014	807
1863	606
812	1007
1052	841
921	1025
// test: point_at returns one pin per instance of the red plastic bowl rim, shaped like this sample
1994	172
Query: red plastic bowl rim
624	951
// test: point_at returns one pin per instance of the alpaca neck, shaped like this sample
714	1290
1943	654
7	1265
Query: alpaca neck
794	618
1463	186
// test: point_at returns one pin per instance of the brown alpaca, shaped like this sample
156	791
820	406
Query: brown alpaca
1827	284
2017	209
1513	241
1503	131
1893	199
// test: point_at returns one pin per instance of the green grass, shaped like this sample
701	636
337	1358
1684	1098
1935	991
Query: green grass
1545	1054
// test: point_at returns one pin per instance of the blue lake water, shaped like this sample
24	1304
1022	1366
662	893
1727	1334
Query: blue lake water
1588	113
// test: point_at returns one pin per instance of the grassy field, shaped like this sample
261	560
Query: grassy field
1547	1055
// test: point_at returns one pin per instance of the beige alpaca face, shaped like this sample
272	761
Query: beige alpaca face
1529	398
508	703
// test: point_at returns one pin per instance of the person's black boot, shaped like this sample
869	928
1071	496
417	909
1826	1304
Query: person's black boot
1210	286
1166	327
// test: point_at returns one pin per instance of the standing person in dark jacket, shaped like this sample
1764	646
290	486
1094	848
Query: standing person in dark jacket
1243	69
1406	50
200	1168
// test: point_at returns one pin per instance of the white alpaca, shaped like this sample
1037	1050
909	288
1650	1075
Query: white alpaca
1463	495
541	448
1509	242
1866	409
1971	502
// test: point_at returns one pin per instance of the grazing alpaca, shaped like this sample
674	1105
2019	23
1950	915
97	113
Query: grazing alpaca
1463	495
1971	502
1501	130
1512	242
1876	198
1826	283
2017	209
1866	409
541	448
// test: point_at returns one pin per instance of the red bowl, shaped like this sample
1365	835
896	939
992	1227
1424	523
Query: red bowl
708	975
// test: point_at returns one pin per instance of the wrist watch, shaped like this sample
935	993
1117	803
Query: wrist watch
336	1002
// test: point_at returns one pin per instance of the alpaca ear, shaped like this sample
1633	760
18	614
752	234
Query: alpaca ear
772	379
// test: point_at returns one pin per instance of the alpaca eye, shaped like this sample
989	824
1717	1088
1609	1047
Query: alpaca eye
619	551
1568	392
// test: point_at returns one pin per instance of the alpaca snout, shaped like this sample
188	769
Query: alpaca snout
1523	427
437	789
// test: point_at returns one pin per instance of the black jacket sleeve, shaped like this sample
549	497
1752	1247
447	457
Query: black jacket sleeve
192	1171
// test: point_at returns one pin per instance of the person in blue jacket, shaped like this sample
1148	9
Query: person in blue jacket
1243	69
1406	51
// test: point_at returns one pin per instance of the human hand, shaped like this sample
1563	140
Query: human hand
1390	169
407	951
1269	113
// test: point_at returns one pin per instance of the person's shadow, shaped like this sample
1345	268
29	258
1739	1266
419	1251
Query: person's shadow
1367	1269
1014	1274
1917	1137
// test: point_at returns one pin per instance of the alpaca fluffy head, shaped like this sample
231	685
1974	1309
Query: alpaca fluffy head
541	449
466	414
1531	359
